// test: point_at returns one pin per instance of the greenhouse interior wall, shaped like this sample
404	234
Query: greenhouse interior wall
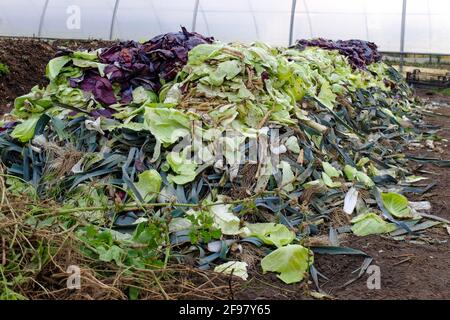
426	22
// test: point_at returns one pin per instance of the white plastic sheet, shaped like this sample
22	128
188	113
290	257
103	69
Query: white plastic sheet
427	21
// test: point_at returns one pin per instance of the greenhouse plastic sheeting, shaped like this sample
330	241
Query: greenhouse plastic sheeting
427	26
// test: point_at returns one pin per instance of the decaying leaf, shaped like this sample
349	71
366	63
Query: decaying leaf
291	262
236	268
396	204
371	223
271	233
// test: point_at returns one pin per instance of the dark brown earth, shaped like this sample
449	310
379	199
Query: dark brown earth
408	270
26	60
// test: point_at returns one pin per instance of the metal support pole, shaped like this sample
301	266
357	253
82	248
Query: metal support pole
194	17
291	26
41	20
402	36
365	21
254	20
113	19
309	19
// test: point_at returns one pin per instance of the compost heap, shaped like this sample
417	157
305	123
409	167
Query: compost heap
196	146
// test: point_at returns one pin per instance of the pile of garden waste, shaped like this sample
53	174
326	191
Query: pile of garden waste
184	148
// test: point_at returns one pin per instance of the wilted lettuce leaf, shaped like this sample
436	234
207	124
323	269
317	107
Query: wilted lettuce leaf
24	131
82	63
232	148
364	178
36	101
141	95
203	52
329	182
224	115
318	183
236	268
292	144
86	55
331	171
72	97
287	176
224	218
149	184
370	223
292	262
326	96
135	126
352	173
184	168
225	70
55	65
396	204
270	233
171	94
167	124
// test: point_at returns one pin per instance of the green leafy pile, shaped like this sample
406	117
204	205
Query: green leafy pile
326	135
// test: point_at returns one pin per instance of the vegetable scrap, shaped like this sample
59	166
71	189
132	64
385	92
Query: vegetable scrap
185	147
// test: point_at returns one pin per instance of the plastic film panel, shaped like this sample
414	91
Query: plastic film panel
20	18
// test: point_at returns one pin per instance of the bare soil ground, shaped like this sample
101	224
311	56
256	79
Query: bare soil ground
409	270
26	60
